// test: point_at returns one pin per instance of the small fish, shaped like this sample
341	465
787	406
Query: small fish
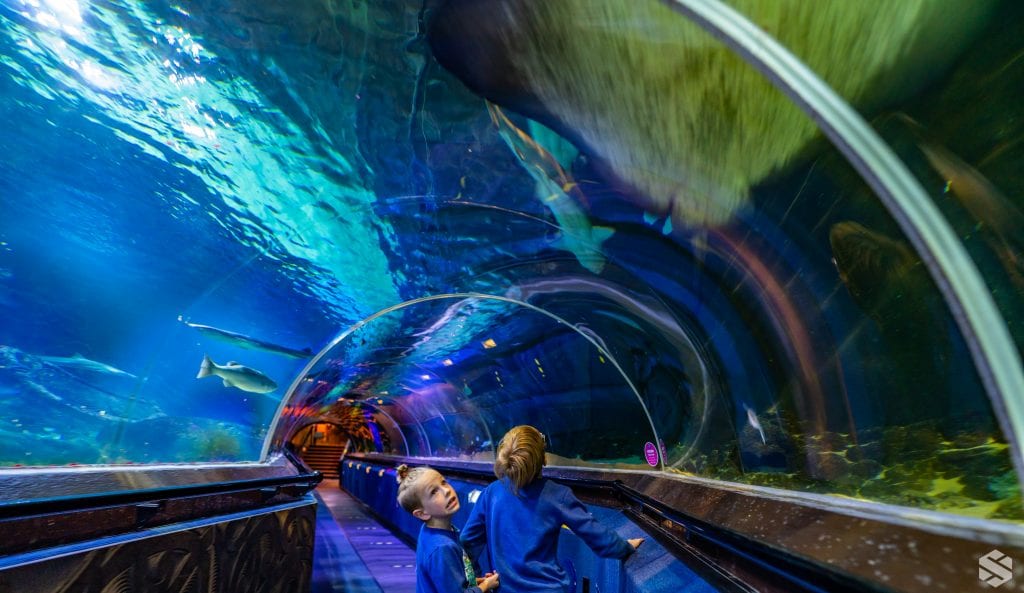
80	363
236	375
247	341
754	422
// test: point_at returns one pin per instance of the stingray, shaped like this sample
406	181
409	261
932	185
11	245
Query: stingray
669	114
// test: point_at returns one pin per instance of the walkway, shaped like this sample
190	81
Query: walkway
355	554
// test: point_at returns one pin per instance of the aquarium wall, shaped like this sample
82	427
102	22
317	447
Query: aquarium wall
775	247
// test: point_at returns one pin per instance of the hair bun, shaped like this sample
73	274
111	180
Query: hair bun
402	472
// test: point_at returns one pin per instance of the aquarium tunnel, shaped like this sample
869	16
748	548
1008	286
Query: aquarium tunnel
755	270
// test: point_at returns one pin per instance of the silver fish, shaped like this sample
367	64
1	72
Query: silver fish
236	375
754	422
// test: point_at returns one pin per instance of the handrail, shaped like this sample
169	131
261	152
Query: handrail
834	544
302	483
796	572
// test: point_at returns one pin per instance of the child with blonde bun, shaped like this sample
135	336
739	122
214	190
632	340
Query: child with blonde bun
517	519
441	564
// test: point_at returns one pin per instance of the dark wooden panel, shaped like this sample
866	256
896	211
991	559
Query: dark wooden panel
270	551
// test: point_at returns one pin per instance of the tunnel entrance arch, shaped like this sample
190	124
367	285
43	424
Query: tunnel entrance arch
298	394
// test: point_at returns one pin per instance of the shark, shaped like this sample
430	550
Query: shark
245	341
78	362
557	190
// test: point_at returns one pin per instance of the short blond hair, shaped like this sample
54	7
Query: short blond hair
408	490
520	456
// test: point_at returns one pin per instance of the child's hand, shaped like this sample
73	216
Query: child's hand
481	579
635	542
490	581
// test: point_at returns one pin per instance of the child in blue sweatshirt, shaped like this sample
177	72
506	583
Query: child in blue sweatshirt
518	517
441	564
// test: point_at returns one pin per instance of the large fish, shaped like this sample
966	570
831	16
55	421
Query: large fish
679	120
247	341
876	269
82	386
891	285
999	219
236	375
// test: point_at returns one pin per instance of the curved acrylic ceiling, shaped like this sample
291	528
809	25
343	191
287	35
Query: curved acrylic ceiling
464	363
821	382
735	301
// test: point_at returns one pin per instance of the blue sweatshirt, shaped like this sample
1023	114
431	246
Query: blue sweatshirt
440	563
521	534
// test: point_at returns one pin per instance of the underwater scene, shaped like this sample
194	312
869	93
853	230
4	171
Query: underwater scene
427	221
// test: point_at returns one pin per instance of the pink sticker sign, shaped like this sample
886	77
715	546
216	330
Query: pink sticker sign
651	453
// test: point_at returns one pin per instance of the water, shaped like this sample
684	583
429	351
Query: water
147	179
283	171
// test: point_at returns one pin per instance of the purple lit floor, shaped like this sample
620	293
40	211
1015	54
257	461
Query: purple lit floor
355	554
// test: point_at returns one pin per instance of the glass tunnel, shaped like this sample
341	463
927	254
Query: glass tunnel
759	264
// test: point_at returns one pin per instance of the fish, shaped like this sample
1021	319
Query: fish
557	190
997	216
247	341
237	375
77	362
891	285
669	115
754	422
974	191
874	267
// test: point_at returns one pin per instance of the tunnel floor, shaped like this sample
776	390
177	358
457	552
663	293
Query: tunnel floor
353	553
